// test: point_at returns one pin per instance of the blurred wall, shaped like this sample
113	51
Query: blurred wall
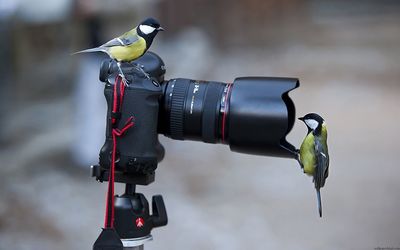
346	54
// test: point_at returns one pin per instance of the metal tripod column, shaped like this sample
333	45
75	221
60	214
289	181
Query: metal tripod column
141	247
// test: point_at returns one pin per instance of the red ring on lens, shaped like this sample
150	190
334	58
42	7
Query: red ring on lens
226	109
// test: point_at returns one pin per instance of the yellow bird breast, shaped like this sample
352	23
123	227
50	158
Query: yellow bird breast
130	52
307	151
307	154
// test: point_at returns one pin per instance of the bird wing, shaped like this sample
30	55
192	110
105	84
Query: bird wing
322	164
126	39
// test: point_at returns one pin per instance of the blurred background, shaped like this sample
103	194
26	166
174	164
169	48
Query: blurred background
346	54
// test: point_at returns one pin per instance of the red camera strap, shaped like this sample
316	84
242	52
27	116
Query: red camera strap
118	95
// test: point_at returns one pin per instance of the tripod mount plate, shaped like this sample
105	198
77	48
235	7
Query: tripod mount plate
102	174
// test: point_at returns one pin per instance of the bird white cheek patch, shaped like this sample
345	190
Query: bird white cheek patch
146	29
313	124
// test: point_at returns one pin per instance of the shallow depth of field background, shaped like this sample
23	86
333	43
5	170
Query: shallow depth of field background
52	114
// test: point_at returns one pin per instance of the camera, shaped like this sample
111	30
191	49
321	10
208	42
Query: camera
252	115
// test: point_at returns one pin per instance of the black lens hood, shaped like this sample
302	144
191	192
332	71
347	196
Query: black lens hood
260	116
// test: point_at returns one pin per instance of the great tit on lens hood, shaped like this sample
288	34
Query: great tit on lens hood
314	157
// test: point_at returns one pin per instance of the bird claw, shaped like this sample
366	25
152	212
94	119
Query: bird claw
121	73
124	79
139	68
298	158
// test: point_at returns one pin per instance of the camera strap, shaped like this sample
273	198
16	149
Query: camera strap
118	95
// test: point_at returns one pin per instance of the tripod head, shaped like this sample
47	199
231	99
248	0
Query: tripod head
133	222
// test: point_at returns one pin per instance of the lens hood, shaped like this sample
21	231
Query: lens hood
260	116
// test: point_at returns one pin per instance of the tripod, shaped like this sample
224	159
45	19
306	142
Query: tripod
132	223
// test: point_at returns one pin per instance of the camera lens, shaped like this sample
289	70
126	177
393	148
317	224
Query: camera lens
192	109
253	114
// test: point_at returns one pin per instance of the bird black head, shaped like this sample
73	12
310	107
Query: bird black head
149	27
313	122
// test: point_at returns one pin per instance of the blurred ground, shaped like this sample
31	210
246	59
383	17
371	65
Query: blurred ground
347	57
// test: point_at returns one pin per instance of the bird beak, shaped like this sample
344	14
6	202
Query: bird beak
301	118
160	28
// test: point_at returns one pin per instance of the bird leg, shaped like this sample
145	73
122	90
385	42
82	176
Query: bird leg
139	68
122	74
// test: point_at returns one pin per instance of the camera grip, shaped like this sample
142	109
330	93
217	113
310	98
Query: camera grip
138	151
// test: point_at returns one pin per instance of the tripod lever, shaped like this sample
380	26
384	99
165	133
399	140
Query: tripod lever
159	216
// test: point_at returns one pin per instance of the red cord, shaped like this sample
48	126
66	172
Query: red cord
119	85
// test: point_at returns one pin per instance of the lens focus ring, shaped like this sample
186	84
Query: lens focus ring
179	92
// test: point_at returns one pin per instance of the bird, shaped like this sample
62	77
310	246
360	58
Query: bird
313	153
131	45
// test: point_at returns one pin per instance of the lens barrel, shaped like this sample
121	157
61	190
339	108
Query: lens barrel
253	114
190	109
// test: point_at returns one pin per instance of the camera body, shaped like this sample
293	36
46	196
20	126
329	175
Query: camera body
139	149
252	115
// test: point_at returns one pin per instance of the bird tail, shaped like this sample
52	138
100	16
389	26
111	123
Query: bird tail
319	202
98	49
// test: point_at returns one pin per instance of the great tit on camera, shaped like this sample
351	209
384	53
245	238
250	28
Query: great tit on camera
131	45
314	157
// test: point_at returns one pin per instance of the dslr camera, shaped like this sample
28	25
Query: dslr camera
252	115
